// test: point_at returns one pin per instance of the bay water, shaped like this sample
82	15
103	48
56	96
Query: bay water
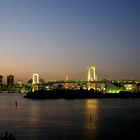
60	119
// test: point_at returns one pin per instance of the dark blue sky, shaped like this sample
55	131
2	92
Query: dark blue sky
60	37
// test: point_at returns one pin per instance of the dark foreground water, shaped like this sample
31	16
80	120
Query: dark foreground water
94	119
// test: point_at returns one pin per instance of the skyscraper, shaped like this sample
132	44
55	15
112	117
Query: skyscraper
1	79
10	80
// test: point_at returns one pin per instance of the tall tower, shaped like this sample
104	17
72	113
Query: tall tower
92	77
92	73
10	80
35	81
1	79
66	84
35	78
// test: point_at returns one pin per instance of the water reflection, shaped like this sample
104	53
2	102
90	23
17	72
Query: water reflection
34	114
94	119
63	119
91	112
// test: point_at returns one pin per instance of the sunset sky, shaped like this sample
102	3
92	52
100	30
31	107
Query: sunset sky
56	38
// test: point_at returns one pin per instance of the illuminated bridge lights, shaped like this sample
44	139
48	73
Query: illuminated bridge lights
106	86
35	81
92	73
91	77
35	78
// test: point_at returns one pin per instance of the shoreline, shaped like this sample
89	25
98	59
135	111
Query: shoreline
78	94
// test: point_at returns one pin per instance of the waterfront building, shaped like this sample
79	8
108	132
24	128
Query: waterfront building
19	83
10	80
1	79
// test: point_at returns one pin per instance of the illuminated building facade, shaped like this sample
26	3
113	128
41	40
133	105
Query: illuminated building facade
20	83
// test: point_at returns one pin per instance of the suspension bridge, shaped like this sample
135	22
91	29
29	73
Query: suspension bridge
95	80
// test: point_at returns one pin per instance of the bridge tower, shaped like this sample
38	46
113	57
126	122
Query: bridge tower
66	84
92	73
35	81
35	78
92	77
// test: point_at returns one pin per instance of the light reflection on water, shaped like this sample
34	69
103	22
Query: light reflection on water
91	115
69	119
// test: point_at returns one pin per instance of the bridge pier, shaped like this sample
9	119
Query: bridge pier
92	77
35	82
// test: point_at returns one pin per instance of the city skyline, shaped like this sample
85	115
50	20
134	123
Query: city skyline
58	38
